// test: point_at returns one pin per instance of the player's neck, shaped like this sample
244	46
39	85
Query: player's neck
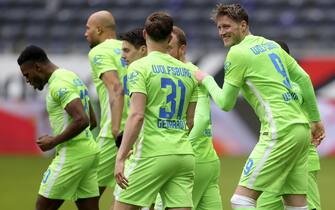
158	47
183	59
109	35
51	68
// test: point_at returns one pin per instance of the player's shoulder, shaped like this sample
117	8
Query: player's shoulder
64	77
191	66
106	47
139	63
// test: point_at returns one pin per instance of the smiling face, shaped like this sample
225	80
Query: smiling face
231	32
32	74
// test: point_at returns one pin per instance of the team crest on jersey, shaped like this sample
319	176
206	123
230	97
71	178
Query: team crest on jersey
97	59
62	92
227	64
78	82
132	76
117	51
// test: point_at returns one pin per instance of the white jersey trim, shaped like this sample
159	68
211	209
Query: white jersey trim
271	122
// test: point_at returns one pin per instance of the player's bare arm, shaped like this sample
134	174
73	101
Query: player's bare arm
80	121
132	129
190	115
93	119
115	92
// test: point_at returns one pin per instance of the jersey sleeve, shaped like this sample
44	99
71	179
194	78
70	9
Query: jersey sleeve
300	77
235	68
226	97
201	118
136	79
102	62
63	92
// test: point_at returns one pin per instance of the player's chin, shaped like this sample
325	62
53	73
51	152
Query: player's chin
227	43
39	87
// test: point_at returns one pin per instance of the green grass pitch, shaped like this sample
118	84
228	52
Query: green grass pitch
21	175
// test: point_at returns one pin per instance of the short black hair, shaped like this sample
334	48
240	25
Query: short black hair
32	53
283	45
134	37
159	25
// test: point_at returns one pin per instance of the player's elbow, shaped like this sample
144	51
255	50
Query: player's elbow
137	117
82	122
118	88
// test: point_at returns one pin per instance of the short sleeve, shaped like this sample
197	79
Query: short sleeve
235	68
136	79
63	93
102	62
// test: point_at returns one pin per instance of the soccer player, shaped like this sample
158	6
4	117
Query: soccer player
72	175
264	73
108	69
133	45
272	201
133	48
206	191
163	99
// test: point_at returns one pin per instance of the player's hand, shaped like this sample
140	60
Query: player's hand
200	75
318	133
120	179
46	142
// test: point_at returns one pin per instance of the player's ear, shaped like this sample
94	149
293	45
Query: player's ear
170	37
244	25
143	49
99	30
183	48
37	66
144	34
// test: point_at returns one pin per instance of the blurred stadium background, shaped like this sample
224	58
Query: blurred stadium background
59	26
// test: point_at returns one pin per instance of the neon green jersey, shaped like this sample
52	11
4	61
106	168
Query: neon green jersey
104	57
262	70
169	86
313	156
64	87
201	133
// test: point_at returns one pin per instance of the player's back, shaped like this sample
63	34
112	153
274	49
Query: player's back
261	68
169	86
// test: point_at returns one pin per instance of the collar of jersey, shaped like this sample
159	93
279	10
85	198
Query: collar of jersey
52	77
158	53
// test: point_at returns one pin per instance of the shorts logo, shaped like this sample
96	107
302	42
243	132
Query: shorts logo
46	176
248	167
